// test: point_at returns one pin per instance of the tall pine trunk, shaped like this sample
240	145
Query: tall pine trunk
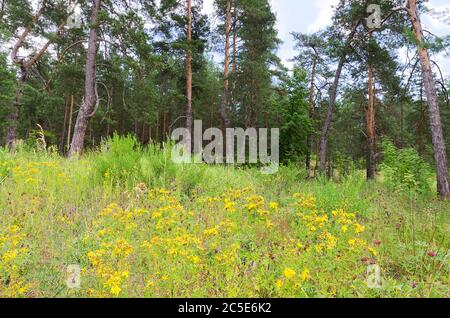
437	133
90	99
226	71
189	119
234	61
370	126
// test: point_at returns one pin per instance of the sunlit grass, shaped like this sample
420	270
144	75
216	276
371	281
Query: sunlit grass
139	226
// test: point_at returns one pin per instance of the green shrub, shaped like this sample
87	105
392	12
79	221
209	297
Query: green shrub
156	167
118	159
344	164
190	177
404	170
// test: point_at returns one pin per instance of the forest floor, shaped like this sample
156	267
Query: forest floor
139	226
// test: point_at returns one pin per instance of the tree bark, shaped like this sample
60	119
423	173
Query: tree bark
69	130
189	119
226	71
90	99
437	133
332	99
370	126
329	117
63	133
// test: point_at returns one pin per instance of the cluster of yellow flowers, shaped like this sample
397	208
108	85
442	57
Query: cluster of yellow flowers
34	173
330	228
110	251
292	279
165	243
14	254
178	246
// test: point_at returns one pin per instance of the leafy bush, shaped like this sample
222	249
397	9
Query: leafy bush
118	159
156	167
189	177
404	170
344	164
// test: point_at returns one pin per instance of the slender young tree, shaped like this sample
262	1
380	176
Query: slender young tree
90	100
234	28
370	124
226	71
189	112
323	148
311	58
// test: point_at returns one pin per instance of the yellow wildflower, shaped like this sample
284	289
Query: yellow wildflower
352	243
304	276
373	251
279	283
289	273
359	228
274	205
212	232
10	256
115	290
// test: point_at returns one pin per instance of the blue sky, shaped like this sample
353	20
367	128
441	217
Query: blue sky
312	15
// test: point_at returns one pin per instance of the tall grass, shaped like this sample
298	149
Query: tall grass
56	202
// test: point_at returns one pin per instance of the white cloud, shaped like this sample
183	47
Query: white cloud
311	16
325	10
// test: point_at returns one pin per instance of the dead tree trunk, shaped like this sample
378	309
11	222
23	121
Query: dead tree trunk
226	71
332	99
370	126
189	119
90	100
437	133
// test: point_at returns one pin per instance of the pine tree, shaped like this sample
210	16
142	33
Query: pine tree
440	153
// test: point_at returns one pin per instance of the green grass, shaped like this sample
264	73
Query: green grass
215	232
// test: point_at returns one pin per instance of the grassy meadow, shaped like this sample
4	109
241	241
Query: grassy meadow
140	226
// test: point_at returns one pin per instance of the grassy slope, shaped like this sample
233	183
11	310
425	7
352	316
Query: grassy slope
215	232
